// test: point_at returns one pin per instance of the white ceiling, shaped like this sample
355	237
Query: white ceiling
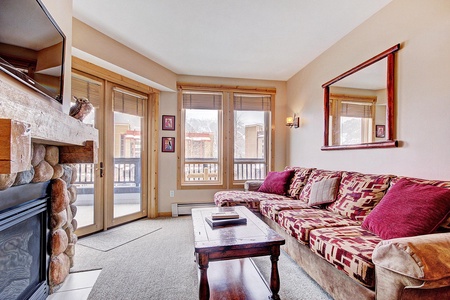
258	39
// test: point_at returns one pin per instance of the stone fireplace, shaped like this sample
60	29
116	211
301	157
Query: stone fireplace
40	147
51	185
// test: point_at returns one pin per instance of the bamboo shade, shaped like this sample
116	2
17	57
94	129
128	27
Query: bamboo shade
356	109
82	87
252	102
128	103
202	101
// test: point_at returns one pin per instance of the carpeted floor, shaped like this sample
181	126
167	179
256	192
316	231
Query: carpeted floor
161	266
119	236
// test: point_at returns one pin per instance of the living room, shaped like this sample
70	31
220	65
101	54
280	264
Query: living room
422	68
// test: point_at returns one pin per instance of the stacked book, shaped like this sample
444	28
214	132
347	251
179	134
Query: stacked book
225	218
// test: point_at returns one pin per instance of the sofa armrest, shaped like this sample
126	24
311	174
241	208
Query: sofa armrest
425	257
420	262
252	185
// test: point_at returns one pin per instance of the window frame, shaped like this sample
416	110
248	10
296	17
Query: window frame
226	152
336	101
181	179
268	123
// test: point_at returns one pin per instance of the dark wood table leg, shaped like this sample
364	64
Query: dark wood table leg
274	276
203	262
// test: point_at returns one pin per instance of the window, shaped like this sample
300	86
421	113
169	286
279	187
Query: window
225	136
202	137
352	119
251	133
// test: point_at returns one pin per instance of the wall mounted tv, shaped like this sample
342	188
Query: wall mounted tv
32	46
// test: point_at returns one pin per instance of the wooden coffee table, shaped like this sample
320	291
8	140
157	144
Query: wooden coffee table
234	242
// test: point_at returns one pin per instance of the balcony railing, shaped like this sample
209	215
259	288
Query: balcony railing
127	176
248	169
201	170
127	173
208	169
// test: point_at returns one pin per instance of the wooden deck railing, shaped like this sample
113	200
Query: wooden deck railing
205	169
127	176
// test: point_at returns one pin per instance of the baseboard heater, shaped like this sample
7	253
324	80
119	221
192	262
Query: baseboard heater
179	209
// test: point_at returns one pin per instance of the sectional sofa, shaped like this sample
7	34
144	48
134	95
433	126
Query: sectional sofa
360	236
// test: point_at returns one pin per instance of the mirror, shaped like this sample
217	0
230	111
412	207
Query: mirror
359	105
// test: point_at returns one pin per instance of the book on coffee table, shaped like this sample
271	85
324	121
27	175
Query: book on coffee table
224	222
224	215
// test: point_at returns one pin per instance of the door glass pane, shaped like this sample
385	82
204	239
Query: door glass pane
249	144
83	87
128	125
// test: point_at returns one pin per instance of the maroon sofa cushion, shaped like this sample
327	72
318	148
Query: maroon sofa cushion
277	182
409	209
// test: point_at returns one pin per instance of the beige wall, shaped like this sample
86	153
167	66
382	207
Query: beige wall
423	99
111	52
168	161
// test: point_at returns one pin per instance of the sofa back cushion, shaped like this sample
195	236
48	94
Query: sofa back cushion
358	194
316	176
409	209
439	183
298	180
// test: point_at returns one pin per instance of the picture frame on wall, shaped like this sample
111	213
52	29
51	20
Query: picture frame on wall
380	131
168	122
168	144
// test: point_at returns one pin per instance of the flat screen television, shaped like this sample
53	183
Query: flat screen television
32	46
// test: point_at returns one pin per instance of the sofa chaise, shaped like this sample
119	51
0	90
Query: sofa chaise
359	236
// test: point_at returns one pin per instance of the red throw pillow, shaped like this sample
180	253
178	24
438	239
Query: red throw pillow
409	209
277	182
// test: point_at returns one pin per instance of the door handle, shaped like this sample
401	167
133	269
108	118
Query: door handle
101	169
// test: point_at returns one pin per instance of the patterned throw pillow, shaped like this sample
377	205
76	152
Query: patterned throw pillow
409	209
316	175
323	192
444	184
358	194
276	182
298	181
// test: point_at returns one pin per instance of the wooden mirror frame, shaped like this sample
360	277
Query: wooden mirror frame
390	142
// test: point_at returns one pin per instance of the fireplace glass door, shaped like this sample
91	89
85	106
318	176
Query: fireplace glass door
23	255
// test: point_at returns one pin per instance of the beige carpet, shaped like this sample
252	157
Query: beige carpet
161	266
119	236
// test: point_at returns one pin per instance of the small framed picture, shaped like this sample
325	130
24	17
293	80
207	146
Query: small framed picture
380	131
168	144
168	122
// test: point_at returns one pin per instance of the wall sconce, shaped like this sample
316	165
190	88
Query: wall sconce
293	122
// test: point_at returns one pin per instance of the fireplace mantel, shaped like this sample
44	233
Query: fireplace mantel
47	125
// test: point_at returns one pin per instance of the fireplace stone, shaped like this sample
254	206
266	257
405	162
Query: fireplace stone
60	212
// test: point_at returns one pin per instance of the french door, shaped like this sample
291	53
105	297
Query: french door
111	192
125	139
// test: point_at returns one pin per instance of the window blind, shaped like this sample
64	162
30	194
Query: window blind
356	109
83	87
202	101
128	103
252	102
